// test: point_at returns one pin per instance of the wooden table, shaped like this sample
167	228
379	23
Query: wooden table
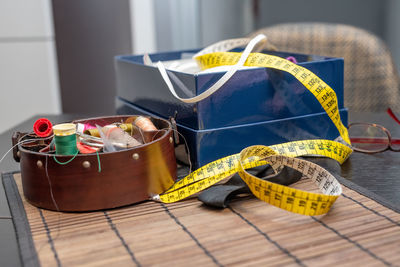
378	173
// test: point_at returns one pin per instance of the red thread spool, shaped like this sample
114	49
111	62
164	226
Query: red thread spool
42	127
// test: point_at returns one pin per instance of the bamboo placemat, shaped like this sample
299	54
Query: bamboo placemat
357	231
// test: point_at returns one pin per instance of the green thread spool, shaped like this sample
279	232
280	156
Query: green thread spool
65	139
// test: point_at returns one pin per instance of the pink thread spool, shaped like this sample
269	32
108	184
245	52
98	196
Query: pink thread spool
292	59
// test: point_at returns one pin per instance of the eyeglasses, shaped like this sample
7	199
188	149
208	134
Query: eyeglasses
373	138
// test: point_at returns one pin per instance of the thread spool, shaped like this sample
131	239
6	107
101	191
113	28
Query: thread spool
145	124
65	139
292	59
127	127
82	127
42	127
93	132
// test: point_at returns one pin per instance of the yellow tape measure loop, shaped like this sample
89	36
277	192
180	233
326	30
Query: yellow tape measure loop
294	200
277	156
223	167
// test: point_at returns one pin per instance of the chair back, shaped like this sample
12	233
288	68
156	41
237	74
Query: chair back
371	80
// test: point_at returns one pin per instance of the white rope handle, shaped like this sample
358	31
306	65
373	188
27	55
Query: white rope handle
218	84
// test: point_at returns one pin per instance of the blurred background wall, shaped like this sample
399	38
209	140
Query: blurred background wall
28	64
57	55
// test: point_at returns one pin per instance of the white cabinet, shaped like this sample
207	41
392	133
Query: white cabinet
28	68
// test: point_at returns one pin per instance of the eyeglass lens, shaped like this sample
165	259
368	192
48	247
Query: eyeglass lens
395	144
368	137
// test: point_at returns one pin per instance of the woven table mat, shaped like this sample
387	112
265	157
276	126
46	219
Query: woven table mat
357	231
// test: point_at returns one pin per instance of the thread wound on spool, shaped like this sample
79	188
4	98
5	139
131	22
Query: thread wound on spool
127	127
65	139
145	124
42	127
93	132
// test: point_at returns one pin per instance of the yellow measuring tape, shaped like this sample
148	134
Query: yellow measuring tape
325	95
277	156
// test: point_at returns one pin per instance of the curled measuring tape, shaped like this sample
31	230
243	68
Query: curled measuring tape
291	199
277	156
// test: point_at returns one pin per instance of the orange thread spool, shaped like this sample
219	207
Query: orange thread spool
145	124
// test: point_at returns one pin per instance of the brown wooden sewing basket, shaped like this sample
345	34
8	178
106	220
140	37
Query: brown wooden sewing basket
122	178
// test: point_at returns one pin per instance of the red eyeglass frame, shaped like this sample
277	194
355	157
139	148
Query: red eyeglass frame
377	140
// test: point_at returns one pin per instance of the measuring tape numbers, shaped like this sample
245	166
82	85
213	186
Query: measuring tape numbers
325	95
277	156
